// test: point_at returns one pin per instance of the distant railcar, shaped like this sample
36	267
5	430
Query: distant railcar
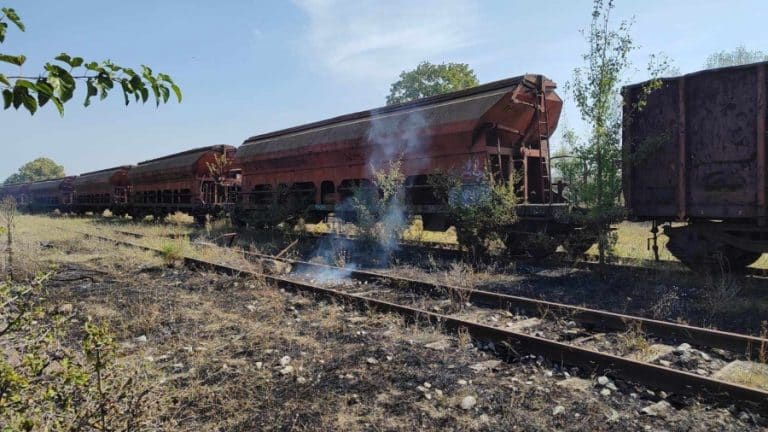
502	127
101	190
696	153
19	191
198	182
51	195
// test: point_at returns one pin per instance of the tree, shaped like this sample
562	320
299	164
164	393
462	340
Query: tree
738	56
39	169
430	79
596	90
57	82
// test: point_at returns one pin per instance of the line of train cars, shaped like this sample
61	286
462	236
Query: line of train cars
695	154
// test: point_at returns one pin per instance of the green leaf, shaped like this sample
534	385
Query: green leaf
64	57
3	30
177	91
76	61
144	94
18	96
165	93
59	105
4	80
30	104
13	17
126	90
17	60
7	98
91	91
26	84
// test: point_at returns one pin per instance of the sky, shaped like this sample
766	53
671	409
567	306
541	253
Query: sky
247	67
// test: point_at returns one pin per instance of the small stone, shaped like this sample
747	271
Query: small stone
663	394
468	402
301	380
744	417
285	361
659	409
65	309
141	339
439	392
390	358
558	410
701	372
286	370
665	363
149	359
605	392
705	356
461	382
178	366
611	386
427	396
371	360
259	365
251	308
683	347
421	389
603	380
486	365
427	385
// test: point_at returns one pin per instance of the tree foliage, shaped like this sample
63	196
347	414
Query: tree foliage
739	56
431	79
39	169
481	209
58	80
594	173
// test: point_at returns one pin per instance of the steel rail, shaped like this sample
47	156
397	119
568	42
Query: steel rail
750	346
667	379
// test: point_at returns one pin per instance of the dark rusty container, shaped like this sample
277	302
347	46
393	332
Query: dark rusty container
49	195
104	189
696	153
503	126
19	191
185	181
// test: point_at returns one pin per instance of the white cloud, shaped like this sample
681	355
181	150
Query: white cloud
377	39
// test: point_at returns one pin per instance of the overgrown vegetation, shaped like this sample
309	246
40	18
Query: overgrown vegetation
738	56
480	210
45	385
379	209
594	173
7	226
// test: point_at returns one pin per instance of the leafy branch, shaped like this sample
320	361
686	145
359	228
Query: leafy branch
58	80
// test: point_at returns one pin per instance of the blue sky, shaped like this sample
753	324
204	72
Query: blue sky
248	67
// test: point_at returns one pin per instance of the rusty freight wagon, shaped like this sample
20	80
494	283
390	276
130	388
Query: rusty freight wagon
198	182
503	127
50	195
100	190
697	154
19	191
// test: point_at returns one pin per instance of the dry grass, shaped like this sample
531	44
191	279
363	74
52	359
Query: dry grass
214	343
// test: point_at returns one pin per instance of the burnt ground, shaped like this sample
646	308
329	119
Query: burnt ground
212	350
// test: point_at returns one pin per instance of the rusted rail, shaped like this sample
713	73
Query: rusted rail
660	377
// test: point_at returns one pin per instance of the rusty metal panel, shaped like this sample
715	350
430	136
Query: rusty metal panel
711	159
651	157
721	140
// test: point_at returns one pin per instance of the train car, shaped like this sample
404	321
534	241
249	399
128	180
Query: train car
101	190
503	127
51	195
198	182
696	153
19	191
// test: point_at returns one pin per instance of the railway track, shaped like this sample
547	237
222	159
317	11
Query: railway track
533	327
